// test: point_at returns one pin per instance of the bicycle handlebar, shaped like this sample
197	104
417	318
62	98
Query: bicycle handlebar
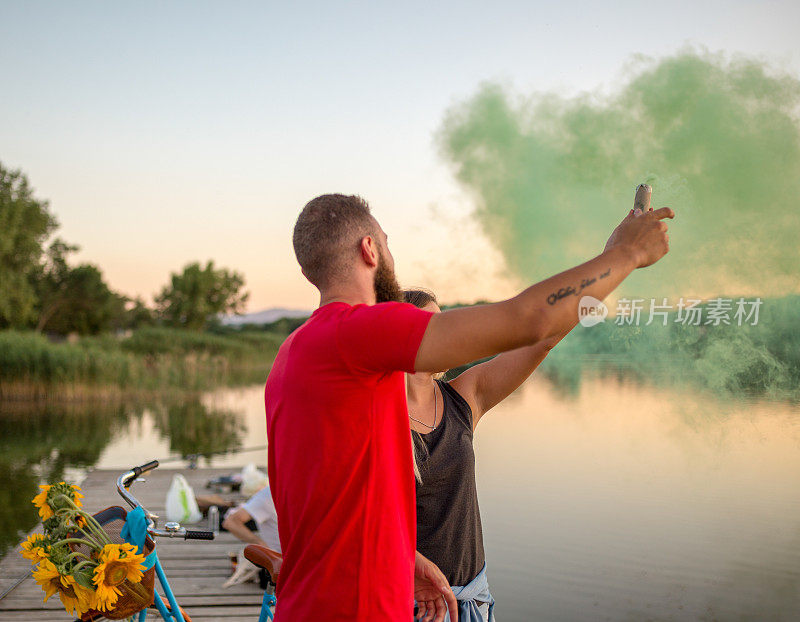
148	466
125	481
127	478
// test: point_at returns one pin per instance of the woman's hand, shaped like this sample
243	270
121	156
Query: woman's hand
432	592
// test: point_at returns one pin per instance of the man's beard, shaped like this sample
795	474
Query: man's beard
386	287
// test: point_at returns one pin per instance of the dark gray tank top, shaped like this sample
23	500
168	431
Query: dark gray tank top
448	518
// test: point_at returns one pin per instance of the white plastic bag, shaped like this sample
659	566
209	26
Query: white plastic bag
181	504
253	480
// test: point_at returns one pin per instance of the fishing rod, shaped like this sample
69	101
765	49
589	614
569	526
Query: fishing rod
15	584
192	459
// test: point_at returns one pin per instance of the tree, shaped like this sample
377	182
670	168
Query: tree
74	299
196	294
38	288
83	304
49	281
137	314
25	223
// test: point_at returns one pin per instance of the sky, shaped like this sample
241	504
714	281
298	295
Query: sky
169	132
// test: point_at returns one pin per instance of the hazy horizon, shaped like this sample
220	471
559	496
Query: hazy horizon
163	135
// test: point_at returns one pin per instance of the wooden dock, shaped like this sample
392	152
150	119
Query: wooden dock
195	569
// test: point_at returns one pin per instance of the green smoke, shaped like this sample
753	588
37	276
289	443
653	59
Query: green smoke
754	361
718	139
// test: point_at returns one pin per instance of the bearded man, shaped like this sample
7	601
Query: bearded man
340	461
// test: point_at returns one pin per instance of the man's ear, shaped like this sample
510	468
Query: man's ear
369	251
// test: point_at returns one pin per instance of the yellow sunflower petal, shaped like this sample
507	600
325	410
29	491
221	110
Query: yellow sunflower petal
110	552
86	598
128	548
32	548
75	598
106	597
40	501
48	577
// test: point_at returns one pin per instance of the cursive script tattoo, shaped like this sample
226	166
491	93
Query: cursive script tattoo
569	290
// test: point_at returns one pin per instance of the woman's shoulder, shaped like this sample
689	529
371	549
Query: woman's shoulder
457	401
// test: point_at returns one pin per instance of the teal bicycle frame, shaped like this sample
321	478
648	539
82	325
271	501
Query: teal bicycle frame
171	530
266	607
173	615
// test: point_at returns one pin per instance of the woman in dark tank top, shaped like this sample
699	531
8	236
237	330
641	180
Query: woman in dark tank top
443	417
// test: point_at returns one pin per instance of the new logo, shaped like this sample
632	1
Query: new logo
591	311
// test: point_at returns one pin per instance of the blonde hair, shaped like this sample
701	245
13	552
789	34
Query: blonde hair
420	298
417	474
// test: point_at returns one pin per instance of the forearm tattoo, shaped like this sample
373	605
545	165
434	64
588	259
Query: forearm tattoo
574	291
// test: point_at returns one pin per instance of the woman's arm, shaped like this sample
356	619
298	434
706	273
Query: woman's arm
432	591
486	385
546	309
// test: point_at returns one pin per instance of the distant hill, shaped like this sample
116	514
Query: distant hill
267	316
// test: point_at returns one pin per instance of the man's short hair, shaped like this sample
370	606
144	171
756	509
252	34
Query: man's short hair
327	234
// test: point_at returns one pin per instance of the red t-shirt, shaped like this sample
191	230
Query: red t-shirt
340	466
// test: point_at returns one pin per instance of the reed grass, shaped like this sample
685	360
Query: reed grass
151	359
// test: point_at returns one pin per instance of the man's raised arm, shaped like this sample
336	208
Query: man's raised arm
548	308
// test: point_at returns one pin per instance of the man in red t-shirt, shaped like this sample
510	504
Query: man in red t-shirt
340	463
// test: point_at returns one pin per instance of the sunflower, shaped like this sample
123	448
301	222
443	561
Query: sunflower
49	501
76	494
40	501
117	563
70	491
76	599
48	577
35	548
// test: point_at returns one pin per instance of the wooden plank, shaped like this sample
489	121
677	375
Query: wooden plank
226	613
187	586
216	600
30	615
238	614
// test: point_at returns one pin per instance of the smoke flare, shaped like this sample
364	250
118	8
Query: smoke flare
718	139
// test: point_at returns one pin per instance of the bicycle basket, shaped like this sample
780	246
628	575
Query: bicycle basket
135	596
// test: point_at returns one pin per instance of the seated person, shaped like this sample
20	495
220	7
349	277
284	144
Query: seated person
260	509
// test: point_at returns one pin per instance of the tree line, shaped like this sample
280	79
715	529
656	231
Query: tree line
41	290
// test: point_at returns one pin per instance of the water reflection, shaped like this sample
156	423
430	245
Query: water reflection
626	502
602	498
192	428
43	443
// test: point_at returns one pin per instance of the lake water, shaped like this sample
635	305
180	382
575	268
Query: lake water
611	501
631	503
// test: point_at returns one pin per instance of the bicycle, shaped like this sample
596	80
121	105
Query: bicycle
270	561
118	522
